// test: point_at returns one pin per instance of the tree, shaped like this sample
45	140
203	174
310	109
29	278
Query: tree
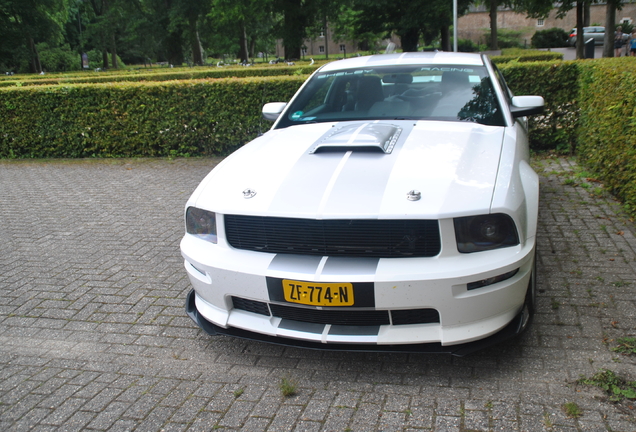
25	23
103	28
241	25
293	26
494	4
185	15
409	20
610	27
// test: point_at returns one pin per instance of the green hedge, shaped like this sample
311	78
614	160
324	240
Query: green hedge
557	82
523	56
210	116
217	116
198	117
607	125
158	75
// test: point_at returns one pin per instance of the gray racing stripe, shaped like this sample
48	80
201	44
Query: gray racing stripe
295	263
358	187
301	326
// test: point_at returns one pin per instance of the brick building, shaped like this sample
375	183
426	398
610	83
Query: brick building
476	24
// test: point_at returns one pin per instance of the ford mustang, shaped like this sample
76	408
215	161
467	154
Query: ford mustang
391	207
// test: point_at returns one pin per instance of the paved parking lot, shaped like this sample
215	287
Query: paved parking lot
93	334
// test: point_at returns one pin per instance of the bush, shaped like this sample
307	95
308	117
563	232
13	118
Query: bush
196	117
607	126
557	82
507	38
466	45
58	59
550	38
96	60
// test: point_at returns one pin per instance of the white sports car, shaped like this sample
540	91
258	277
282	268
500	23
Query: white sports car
391	207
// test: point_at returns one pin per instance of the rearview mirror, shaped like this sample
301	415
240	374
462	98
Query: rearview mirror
523	106
272	110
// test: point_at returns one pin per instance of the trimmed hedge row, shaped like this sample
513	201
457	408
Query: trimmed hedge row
198	117
524	57
607	125
205	117
216	116
165	75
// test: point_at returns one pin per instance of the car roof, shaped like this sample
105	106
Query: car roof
407	58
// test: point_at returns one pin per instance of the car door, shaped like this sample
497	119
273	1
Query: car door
599	35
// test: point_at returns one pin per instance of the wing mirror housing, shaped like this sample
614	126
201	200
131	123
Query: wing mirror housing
272	110
523	106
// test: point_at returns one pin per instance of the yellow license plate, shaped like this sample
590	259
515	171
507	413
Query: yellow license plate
318	294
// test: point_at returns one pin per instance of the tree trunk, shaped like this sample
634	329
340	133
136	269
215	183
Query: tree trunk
34	64
446	39
243	49
113	51
104	59
409	39
174	49
294	28
580	42
252	48
610	24
195	42
494	45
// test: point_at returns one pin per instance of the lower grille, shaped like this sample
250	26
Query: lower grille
250	306
414	316
333	317
346	317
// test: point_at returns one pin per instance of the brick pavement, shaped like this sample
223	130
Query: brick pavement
93	334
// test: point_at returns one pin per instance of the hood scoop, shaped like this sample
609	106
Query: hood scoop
380	137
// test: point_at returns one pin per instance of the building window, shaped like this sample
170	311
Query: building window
343	48
540	22
321	48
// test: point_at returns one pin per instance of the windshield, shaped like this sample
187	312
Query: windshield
455	93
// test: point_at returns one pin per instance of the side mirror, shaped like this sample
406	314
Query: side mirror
523	106
272	110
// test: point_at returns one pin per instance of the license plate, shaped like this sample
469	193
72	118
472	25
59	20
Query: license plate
318	294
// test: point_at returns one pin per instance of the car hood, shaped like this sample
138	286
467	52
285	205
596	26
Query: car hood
361	170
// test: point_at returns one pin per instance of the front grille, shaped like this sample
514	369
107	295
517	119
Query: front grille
339	316
350	237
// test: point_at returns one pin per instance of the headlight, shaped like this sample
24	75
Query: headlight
201	223
485	232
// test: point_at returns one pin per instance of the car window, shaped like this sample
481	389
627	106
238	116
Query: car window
450	93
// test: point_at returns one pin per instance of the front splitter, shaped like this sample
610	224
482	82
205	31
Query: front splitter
514	328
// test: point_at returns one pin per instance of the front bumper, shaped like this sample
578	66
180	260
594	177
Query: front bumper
223	277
